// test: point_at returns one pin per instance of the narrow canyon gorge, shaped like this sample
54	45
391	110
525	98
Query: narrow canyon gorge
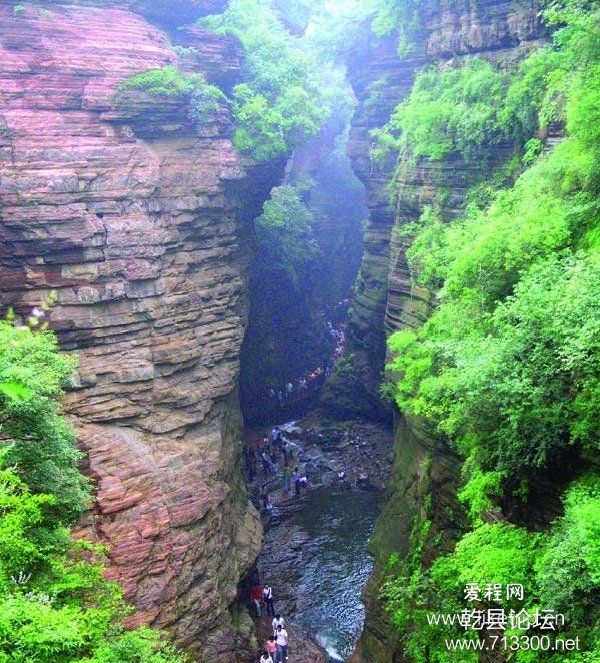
202	259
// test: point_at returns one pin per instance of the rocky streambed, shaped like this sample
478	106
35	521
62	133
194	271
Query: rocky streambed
316	548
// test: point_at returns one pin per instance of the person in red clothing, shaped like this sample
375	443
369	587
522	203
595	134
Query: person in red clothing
256	598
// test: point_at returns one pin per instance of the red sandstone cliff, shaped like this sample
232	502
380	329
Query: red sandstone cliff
135	220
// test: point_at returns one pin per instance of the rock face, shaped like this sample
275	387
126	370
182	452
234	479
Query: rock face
386	299
134	217
379	81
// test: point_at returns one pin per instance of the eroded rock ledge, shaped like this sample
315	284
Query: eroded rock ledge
140	228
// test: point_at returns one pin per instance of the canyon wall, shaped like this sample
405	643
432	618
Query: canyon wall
298	282
356	392
386	299
139	219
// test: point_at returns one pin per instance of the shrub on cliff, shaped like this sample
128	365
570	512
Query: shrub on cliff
285	235
55	605
468	110
165	82
558	571
395	16
569	568
168	83
465	110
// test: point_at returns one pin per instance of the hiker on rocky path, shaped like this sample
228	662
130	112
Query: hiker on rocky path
272	647
286	453
266	463
270	506
296	477
268	599
287	475
264	495
277	621
282	644
256	598
266	657
250	459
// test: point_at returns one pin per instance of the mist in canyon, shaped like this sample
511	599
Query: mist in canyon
300	294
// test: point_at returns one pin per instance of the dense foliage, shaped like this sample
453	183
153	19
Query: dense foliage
280	102
42	443
507	367
55	605
284	231
395	16
558	572
351	23
465	110
509	362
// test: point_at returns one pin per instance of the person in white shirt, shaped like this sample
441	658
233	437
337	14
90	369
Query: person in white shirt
266	657
268	590
282	644
277	621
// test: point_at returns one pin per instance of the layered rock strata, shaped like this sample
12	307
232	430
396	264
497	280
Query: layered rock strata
387	299
139	218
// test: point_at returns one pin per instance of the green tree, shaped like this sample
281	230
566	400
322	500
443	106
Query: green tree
55	606
38	440
280	102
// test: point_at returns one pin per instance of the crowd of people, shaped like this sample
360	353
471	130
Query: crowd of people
300	387
271	462
272	457
276	645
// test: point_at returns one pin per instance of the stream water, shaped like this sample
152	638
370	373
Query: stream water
339	524
332	529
